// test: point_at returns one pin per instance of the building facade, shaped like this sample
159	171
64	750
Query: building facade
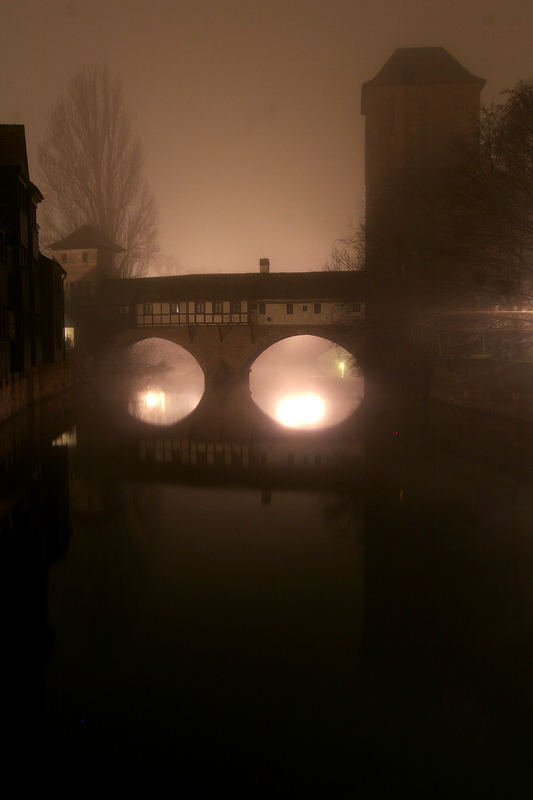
262	299
27	316
52	310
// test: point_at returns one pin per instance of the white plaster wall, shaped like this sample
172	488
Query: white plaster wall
330	313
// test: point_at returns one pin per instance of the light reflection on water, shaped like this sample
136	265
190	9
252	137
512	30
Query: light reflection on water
158	407
226	586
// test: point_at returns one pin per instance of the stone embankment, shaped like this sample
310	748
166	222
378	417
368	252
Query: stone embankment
493	386
42	382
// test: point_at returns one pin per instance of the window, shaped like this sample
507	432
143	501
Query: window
357	307
64	258
318	308
123	309
174	308
217	306
304	308
262	308
85	257
289	308
235	307
199	307
148	308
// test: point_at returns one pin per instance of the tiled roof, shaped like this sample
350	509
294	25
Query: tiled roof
248	285
420	65
86	238
13	147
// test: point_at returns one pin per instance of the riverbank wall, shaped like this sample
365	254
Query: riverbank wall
42	382
489	385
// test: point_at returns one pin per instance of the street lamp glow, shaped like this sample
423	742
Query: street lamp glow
300	410
153	399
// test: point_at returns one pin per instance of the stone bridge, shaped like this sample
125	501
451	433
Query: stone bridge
226	353
227	321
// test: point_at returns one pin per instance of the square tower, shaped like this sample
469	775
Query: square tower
422	112
87	256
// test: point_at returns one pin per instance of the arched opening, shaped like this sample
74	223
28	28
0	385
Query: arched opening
165	382
306	382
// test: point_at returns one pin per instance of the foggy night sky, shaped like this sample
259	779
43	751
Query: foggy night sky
248	111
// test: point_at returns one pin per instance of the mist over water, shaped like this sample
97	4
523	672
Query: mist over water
167	382
306	383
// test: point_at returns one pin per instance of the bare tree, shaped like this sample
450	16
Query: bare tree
348	253
502	193
92	171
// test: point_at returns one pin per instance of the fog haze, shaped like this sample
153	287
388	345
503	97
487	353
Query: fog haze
248	112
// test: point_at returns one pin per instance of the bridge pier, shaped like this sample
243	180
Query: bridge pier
221	376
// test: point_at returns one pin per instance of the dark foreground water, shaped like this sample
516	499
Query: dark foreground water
225	605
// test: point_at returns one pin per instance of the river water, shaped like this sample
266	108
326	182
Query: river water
228	603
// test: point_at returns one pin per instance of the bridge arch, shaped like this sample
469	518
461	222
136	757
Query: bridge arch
306	381
337	336
161	382
227	353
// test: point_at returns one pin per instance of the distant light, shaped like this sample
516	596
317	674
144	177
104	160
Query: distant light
300	410
67	439
341	368
150	399
69	335
154	399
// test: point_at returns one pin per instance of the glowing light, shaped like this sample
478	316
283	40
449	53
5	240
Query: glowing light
300	410
152	400
67	439
341	368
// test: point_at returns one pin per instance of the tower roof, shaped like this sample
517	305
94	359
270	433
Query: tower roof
415	66
86	238
13	147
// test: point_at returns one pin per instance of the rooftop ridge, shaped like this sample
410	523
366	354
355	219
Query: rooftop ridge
86	236
416	66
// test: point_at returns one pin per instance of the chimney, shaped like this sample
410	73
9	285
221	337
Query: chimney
264	266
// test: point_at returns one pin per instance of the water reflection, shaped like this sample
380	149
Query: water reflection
306	382
215	582
159	407
166	382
